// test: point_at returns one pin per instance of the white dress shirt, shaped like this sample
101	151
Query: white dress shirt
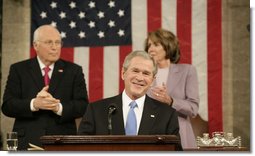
138	110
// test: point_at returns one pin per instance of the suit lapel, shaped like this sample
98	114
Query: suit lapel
57	75
117	118
36	73
148	117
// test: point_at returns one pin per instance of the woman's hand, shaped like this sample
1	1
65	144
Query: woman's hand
160	94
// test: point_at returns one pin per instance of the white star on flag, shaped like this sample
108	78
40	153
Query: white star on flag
72	24
92	4
81	15
72	5
121	13
111	4
91	24
62	15
111	23
100	14
121	32
53	5
101	34
82	34
43	14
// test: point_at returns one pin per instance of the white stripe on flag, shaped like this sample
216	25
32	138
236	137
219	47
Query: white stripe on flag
199	52
111	71
139	23
169	11
81	57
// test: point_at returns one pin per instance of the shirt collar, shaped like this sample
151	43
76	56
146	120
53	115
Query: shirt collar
126	100
43	65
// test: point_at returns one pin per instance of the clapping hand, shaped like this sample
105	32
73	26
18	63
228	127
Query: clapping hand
45	101
160	94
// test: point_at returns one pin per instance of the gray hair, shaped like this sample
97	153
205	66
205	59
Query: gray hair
38	30
142	54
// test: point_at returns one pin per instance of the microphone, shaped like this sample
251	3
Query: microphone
111	109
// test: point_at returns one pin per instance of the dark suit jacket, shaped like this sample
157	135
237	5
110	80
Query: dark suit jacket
25	80
95	120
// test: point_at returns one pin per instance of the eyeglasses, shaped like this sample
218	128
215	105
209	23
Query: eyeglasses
50	43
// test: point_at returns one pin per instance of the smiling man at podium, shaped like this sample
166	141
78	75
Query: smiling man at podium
132	112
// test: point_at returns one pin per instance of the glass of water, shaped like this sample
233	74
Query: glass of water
12	141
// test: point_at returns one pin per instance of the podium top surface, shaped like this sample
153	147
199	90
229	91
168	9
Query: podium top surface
106	139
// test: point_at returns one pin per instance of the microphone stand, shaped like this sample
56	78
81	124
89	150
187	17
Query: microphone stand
111	110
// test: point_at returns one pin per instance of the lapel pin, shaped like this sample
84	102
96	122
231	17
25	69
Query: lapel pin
153	116
60	70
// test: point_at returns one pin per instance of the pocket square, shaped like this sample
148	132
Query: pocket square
153	116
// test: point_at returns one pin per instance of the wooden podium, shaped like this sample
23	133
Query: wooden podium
110	143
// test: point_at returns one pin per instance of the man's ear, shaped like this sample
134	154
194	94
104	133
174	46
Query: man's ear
35	46
154	77
122	74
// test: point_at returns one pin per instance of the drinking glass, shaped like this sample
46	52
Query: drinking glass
12	141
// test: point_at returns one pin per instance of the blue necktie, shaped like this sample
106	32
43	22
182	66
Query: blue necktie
131	120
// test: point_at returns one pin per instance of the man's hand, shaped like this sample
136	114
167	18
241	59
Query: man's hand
44	92
45	101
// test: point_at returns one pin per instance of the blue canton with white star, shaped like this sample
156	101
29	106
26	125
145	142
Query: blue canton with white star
85	22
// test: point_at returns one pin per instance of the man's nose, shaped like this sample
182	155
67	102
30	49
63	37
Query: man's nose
139	76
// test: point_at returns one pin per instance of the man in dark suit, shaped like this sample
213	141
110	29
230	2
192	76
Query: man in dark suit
111	115
44	102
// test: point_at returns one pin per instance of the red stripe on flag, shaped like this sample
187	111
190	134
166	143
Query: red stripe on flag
32	52
96	73
124	51
67	54
184	29
154	14
214	57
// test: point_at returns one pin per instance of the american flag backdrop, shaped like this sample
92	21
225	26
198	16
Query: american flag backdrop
98	34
